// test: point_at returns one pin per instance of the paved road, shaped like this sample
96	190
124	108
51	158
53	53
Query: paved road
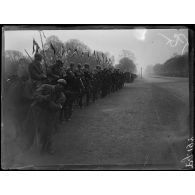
143	126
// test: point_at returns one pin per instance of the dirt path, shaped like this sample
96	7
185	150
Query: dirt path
142	126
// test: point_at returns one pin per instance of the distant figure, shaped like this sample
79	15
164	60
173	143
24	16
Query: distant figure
88	82
80	84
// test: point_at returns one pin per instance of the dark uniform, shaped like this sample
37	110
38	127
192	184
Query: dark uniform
70	91
96	83
105	83
42	117
80	82
88	82
79	71
55	72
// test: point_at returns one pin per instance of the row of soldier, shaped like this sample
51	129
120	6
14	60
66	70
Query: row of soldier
55	92
77	81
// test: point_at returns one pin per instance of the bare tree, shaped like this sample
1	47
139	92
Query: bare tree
127	65
76	44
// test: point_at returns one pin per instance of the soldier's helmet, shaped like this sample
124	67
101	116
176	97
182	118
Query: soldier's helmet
38	57
62	81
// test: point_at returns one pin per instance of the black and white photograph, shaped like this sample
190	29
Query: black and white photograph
97	97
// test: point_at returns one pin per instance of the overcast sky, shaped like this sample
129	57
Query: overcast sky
149	46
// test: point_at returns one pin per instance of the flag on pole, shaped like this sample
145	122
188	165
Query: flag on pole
52	47
44	35
35	45
62	50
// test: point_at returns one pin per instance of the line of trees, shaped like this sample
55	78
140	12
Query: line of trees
127	62
77	52
73	51
178	65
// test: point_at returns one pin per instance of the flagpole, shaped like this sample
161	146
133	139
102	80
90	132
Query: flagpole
43	52
28	55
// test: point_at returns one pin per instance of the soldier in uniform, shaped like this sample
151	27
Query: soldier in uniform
79	72
70	92
96	82
88	79
104	82
71	68
109	73
100	77
42	116
36	71
80	81
55	72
